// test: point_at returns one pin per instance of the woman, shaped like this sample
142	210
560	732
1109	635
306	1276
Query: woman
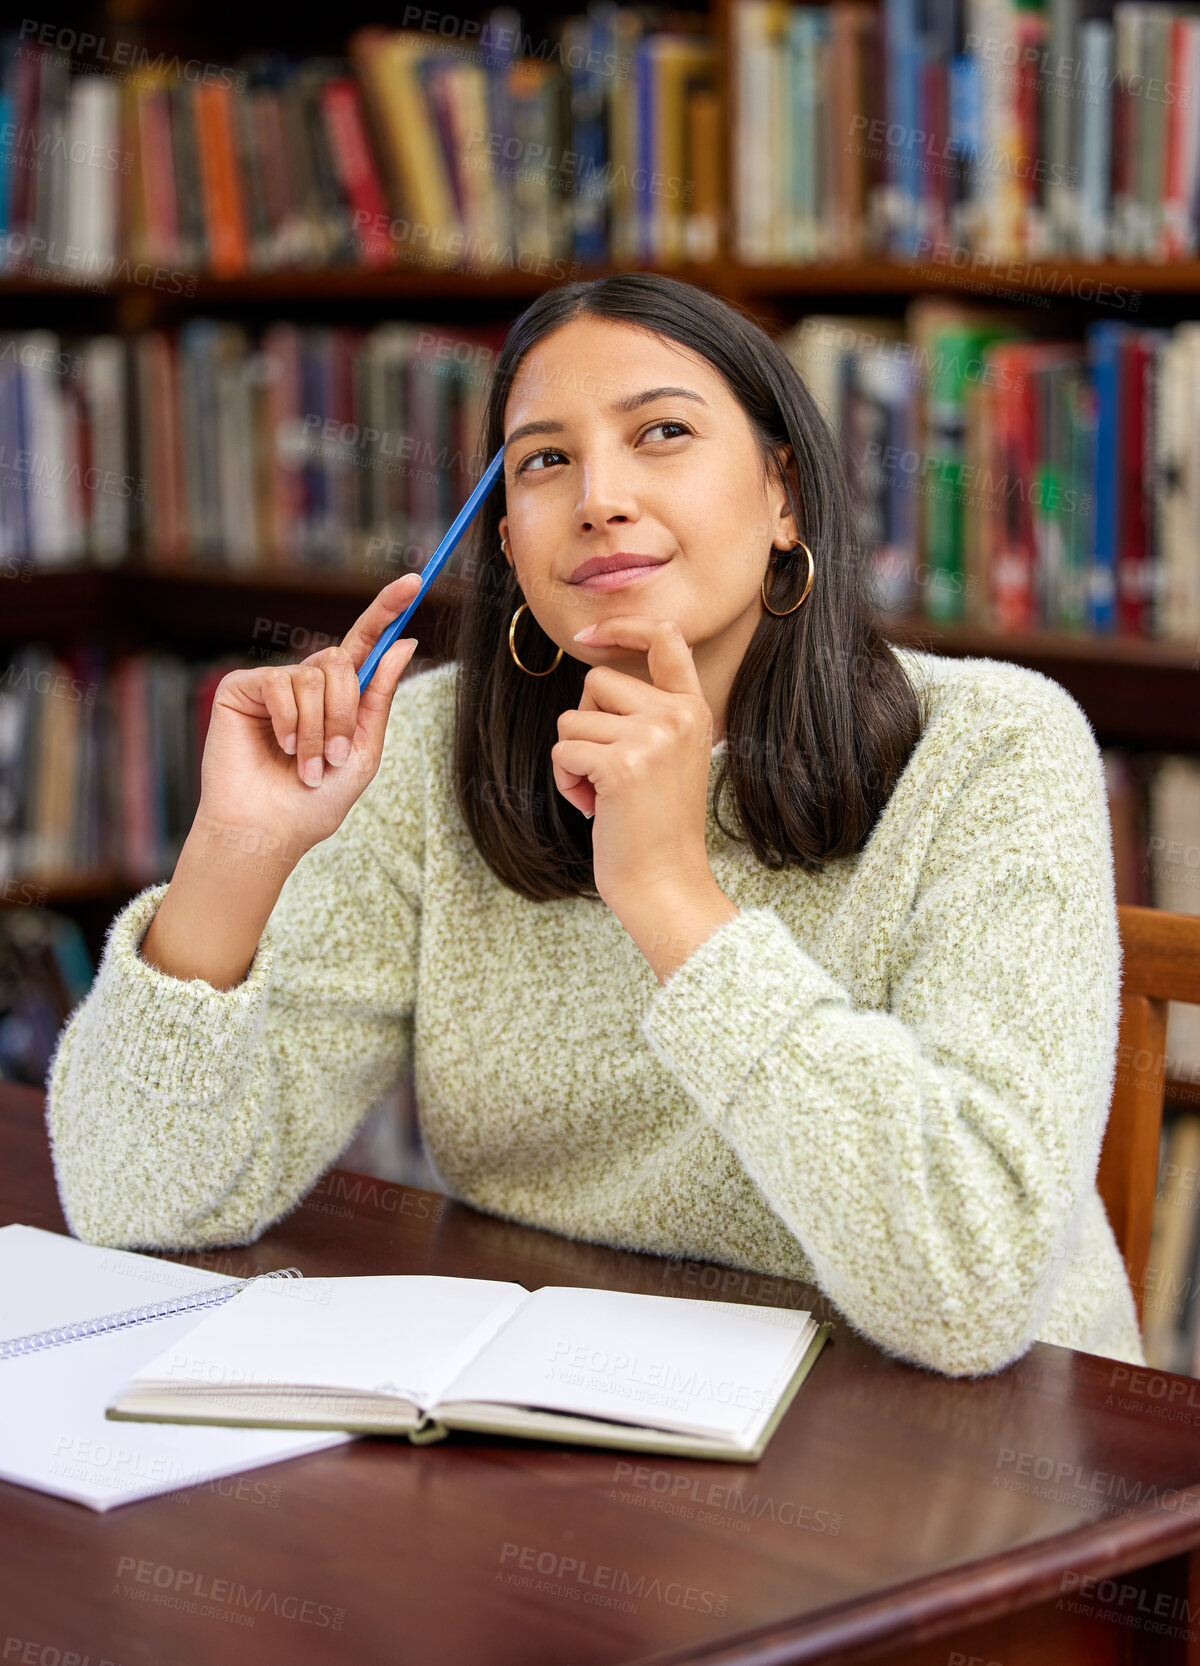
857	1026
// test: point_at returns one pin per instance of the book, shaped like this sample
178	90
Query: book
419	1356
54	1436
1169	1294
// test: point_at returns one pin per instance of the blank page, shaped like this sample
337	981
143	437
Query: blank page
666	1362
379	1334
54	1435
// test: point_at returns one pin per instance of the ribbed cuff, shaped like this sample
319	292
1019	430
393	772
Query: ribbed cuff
166	1030
731	1004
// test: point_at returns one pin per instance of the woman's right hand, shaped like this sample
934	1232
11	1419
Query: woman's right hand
273	725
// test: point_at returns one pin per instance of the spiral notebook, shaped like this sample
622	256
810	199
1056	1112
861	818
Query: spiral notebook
420	1356
54	1435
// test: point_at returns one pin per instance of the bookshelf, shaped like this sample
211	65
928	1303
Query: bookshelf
1140	693
1137	692
1072	283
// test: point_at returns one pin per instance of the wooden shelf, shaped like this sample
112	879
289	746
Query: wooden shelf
1057	280
52	604
1182	1095
259	615
1136	692
56	889
1138	651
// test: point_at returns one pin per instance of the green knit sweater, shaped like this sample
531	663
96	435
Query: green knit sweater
890	1080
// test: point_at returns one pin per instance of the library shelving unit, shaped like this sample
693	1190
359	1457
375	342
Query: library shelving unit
1138	693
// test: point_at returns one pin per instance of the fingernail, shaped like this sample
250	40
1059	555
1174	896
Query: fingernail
338	750
589	815
289	746
314	769
586	631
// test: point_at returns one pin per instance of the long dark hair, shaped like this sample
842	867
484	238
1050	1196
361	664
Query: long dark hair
821	717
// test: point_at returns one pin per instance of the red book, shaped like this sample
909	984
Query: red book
1134	569
937	164
1006	489
158	175
224	211
267	119
131	699
281	349
341	108
24	174
1175	204
1031	38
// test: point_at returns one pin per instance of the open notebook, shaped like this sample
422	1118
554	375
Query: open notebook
53	1432
419	1356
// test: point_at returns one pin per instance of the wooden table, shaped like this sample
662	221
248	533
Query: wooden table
1045	1514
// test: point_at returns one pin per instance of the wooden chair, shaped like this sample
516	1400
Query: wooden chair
1161	954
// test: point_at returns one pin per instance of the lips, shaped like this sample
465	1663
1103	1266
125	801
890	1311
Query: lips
614	563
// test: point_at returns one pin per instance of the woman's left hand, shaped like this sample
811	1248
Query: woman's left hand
638	756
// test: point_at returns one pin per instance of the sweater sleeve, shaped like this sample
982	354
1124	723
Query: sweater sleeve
934	1160
185	1117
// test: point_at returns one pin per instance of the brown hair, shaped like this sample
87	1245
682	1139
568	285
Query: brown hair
821	717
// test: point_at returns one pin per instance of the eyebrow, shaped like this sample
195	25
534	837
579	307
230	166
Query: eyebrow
631	402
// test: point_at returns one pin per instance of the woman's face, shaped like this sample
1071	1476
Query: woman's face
600	460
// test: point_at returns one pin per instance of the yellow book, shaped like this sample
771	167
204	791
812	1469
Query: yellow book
387	62
675	59
704	227
623	132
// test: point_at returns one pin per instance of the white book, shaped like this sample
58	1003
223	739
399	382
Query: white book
752	134
54	1435
111	488
95	164
422	1355
46	475
1174	825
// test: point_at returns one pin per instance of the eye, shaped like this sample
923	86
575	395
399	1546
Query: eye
550	451
667	422
547	451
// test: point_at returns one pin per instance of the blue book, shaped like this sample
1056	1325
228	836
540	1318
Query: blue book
594	35
14	434
1104	359
966	137
805	25
8	115
903	110
503	30
643	201
1093	190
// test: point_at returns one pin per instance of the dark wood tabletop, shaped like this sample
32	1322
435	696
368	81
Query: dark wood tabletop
1046	1513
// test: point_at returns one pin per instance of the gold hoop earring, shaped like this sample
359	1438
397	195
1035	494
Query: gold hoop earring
512	647
781	613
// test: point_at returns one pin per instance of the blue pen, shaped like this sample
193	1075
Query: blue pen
436	562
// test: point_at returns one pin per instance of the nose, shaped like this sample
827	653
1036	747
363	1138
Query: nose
605	495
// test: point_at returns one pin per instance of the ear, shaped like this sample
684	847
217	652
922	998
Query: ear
784	522
503	530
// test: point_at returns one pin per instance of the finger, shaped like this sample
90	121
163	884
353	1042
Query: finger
572	760
341	704
370	625
668	656
308	685
597	725
375	701
603	728
275	689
